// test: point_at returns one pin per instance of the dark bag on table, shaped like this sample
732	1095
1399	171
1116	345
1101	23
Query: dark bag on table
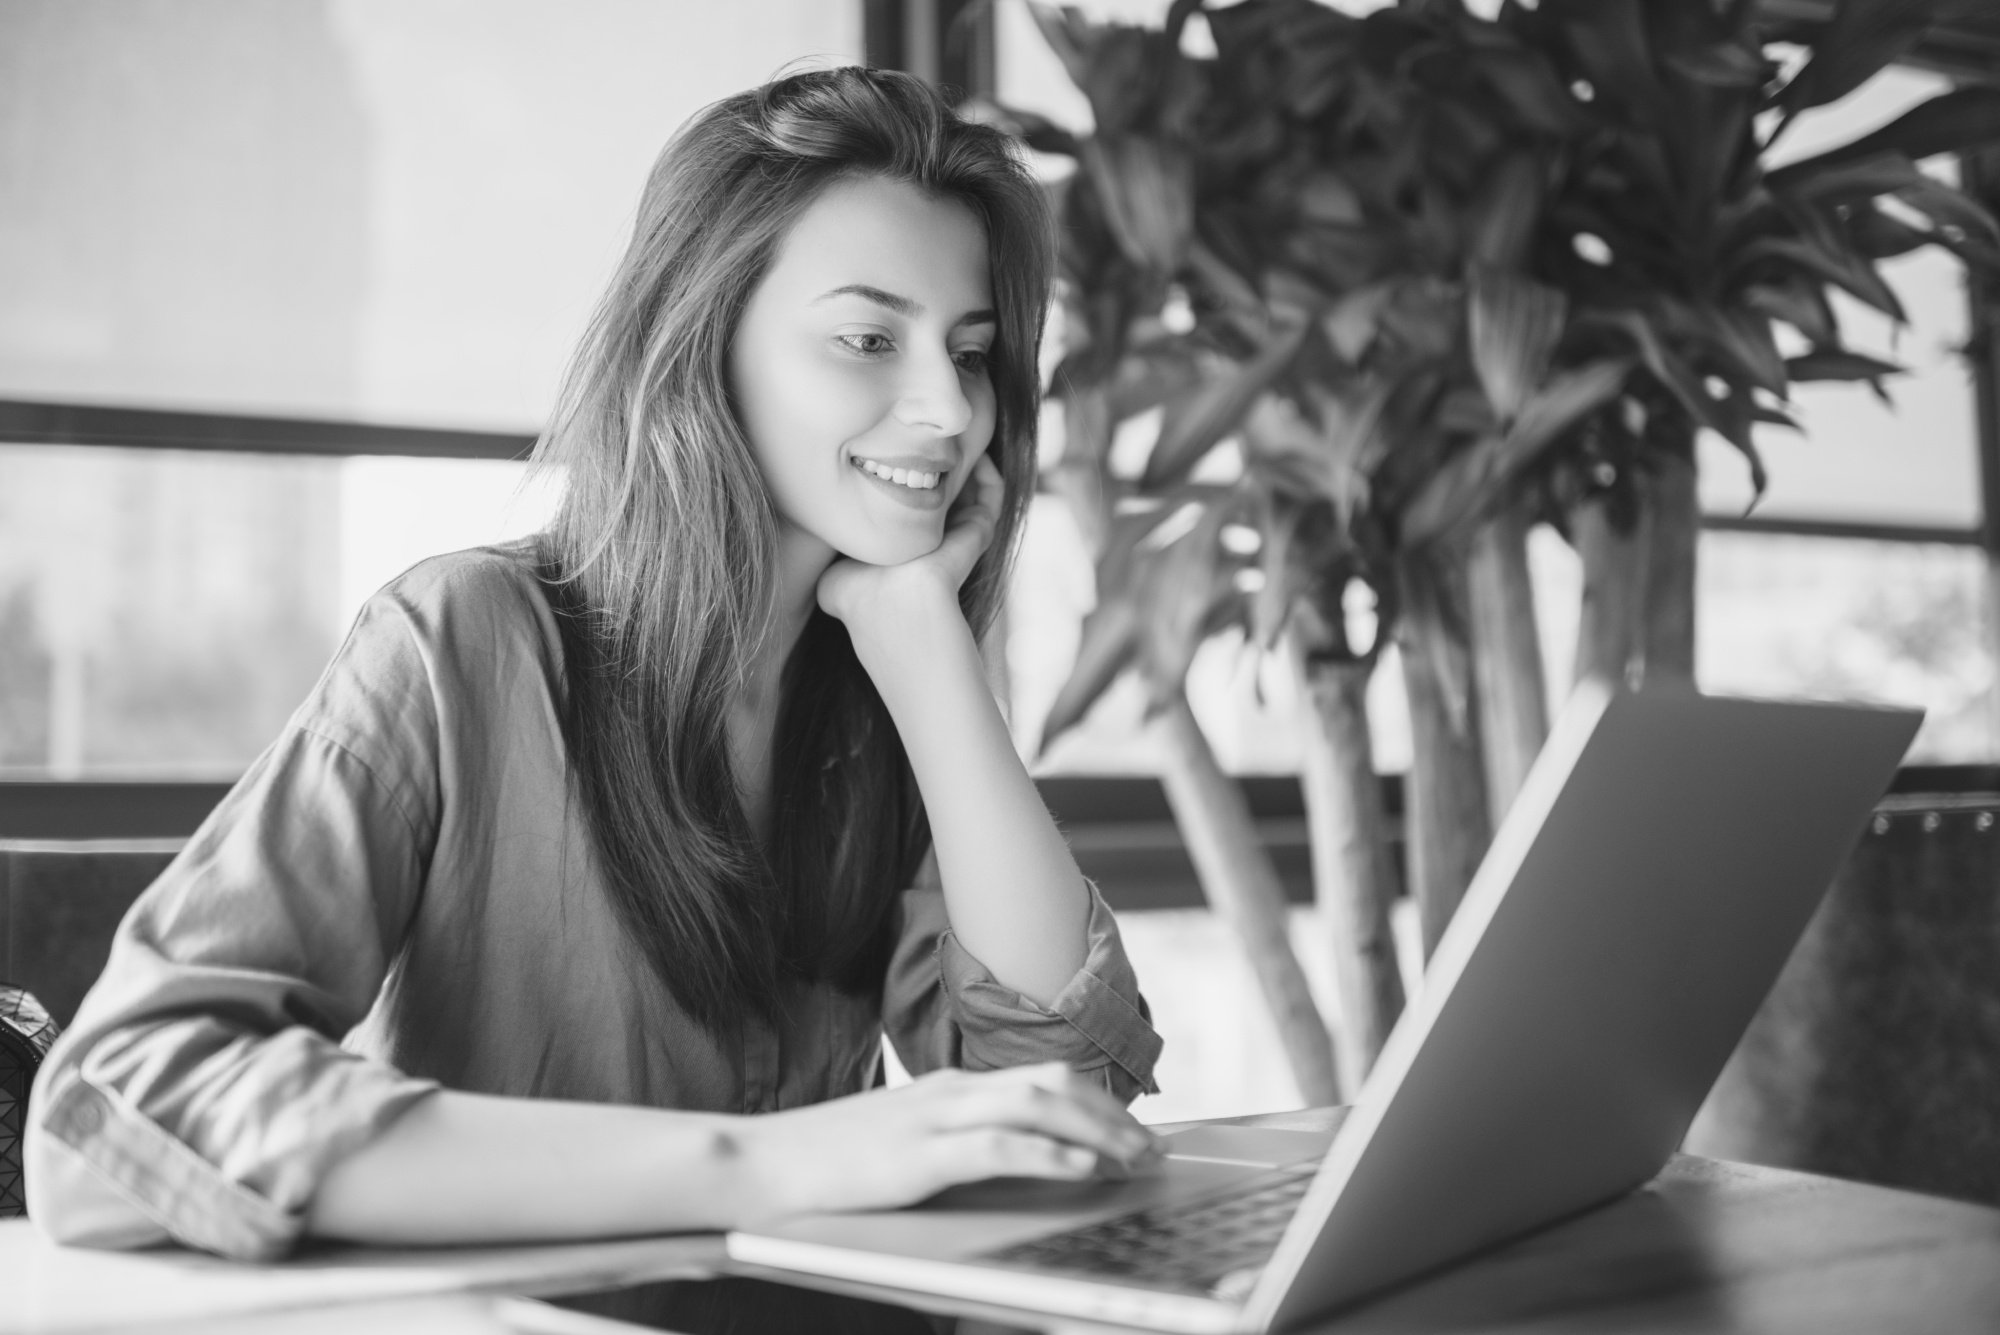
26	1032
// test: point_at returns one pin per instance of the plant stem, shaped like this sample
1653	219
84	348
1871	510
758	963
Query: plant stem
1673	536
1243	887
1506	656
1445	806
1614	578
1354	873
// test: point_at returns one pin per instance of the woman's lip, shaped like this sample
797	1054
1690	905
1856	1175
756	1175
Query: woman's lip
926	498
915	462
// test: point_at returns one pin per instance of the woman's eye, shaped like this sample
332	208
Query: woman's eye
972	359
868	345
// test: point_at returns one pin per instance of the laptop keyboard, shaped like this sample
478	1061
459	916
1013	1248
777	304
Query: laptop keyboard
1193	1245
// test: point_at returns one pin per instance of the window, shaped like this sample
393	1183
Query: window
162	612
369	212
350	211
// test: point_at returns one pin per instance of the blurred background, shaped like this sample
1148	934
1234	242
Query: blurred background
286	289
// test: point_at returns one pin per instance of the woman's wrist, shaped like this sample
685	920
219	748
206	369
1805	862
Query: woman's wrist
906	641
751	1183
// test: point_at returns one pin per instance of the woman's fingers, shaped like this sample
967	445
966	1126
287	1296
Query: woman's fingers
976	513
983	1152
890	1148
983	487
1053	1101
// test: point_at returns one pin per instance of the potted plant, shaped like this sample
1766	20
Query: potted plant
1436	277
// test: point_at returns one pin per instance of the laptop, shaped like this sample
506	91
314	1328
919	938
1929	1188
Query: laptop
1636	904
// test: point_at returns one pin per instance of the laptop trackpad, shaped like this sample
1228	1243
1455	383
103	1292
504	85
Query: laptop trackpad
1199	1159
1262	1147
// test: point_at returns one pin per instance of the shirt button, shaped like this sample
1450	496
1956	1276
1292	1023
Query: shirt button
88	1116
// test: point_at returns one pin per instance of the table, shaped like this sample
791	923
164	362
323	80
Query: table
1706	1246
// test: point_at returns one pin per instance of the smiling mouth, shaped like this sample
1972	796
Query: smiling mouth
914	479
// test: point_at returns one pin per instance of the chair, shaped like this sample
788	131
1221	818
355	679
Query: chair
60	903
1877	1055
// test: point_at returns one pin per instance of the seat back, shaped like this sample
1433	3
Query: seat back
59	904
1877	1055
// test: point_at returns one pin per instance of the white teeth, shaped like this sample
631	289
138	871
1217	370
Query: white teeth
902	477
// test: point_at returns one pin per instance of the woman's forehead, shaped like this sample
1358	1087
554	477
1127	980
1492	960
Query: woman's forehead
885	237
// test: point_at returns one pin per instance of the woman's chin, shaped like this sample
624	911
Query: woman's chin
891	549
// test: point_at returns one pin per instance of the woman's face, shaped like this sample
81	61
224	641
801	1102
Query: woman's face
860	370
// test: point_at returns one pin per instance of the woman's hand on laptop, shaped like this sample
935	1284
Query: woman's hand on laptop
894	1147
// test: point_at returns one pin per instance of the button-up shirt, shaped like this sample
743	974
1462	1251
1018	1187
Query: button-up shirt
402	894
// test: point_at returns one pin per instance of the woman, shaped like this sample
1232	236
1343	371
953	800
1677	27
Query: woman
568	905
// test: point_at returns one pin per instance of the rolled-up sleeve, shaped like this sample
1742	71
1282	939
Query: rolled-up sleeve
202	1093
943	1008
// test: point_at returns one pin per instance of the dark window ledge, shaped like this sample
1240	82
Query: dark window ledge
1120	828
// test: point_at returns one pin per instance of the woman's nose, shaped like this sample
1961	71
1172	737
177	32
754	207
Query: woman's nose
933	397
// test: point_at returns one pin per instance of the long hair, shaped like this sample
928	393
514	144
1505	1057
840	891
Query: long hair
660	558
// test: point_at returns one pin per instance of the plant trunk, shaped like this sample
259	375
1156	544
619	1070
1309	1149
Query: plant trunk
1608	635
1980	172
1506	657
1243	887
1674	532
1445	806
1230	860
1639	587
1354	874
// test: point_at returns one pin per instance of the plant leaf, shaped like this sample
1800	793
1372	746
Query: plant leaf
1950	207
1844	269
1214	407
1504	213
1150	375
1800	304
1032	128
1725	65
1087	424
1147	189
1963	118
1426	317
1067	34
1877	175
1473	480
1351	324
1744	339
1121	68
1570	395
1180	587
1272	606
1774	417
1106	649
1894	174
1879	237
1530	88
1863	38
1837	364
1514	324
1609	38
1327	198
1666	366
1731	417
1353	442
1222	279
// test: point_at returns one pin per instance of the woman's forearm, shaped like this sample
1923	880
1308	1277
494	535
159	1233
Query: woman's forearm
1013	892
473	1168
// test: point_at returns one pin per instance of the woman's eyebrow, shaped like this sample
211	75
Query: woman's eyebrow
901	305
